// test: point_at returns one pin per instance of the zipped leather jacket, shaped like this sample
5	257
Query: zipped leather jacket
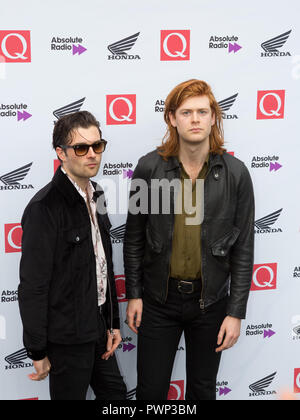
227	234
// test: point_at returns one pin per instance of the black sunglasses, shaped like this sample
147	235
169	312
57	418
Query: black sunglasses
82	149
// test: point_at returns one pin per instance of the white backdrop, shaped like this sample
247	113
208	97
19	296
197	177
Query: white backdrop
54	58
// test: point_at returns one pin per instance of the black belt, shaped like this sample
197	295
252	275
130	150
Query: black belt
187	286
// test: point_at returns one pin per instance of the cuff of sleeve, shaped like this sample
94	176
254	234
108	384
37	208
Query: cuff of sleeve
36	355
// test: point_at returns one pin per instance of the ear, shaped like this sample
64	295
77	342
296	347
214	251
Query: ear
213	119
172	119
60	154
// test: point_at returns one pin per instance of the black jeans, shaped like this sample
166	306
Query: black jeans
158	338
75	367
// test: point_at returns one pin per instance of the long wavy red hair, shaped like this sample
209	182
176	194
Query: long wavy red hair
181	92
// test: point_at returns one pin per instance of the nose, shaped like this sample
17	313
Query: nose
91	153
195	116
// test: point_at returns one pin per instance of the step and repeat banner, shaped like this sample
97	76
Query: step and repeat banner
119	60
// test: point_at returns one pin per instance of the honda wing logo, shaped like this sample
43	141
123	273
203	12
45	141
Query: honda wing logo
68	109
272	45
10	180
121	47
13	177
17	358
261	385
267	221
118	233
226	104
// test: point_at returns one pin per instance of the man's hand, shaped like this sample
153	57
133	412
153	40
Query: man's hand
42	368
113	340
134	314
230	329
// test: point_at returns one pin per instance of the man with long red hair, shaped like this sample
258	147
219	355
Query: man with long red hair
189	277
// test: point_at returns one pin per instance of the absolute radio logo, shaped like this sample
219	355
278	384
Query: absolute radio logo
120	109
11	179
13	237
227	42
296	272
15	46
159	105
266	161
15	110
9	296
68	44
119	50
120	168
175	45
270	104
272	46
222	388
263	330
264	277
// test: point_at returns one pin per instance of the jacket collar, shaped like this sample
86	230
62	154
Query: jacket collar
65	186
173	162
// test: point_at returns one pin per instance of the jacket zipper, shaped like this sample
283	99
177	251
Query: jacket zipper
203	233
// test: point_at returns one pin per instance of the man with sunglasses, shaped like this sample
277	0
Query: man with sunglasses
67	294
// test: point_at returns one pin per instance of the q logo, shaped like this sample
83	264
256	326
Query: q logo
270	104
15	46
297	380
174	45
13	237
264	276
120	288
120	109
176	390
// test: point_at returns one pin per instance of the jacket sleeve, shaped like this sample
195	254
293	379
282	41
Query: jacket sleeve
243	249
134	240
36	266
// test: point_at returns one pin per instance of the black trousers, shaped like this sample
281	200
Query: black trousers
75	367
158	338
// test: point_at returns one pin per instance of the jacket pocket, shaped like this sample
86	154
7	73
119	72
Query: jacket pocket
222	246
77	236
78	245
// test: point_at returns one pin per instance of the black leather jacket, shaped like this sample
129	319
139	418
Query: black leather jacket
227	235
